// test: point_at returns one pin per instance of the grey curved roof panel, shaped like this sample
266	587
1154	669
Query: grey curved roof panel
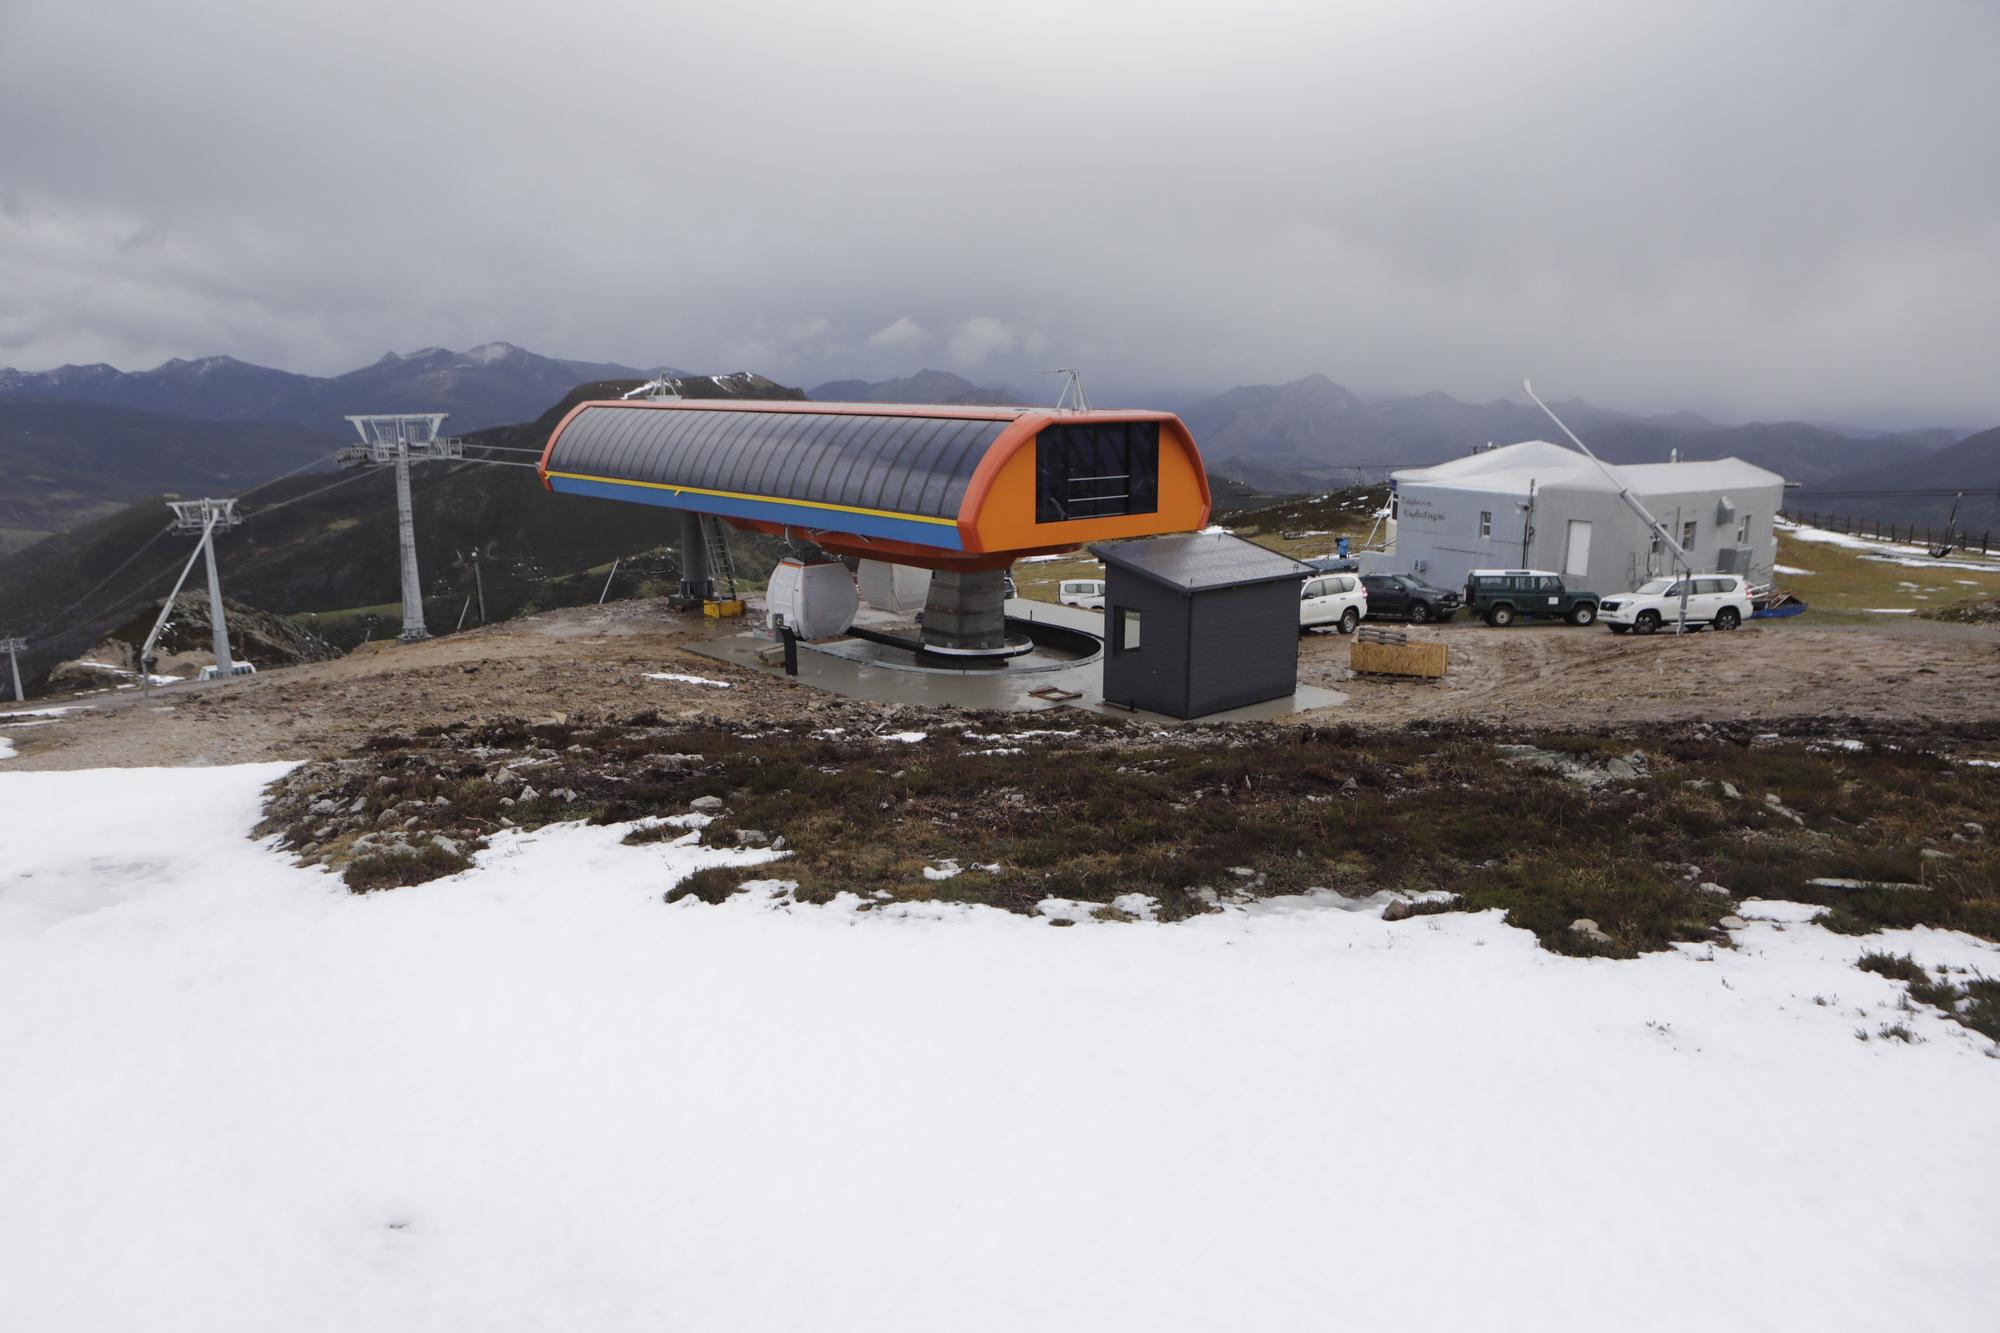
898	464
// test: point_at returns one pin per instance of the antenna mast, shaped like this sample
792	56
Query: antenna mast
1632	503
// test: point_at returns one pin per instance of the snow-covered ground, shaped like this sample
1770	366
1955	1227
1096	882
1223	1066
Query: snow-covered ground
1908	554
233	1096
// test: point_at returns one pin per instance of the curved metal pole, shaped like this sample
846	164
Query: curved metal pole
1631	502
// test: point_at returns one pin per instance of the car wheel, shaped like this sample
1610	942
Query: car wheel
1648	622
1728	618
1348	620
1619	629
1419	612
1583	613
1500	616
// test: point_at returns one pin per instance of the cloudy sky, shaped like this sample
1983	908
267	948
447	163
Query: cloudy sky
1787	207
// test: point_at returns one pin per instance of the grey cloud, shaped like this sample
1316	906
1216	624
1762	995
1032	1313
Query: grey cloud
1779	208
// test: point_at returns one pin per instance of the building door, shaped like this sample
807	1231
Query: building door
1576	564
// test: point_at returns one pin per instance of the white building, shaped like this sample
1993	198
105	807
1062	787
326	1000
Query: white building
1538	505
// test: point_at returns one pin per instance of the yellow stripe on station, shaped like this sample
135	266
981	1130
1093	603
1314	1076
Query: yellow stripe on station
757	499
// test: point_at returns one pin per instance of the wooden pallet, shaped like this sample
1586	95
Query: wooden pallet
1378	652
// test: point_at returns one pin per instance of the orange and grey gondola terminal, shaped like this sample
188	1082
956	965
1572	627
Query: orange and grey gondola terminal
958	491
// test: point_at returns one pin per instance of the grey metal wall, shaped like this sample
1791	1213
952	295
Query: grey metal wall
1245	646
1155	677
1206	653
1437	533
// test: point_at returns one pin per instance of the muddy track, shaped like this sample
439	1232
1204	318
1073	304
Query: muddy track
594	661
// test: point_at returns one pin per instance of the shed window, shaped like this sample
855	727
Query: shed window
1097	470
1128	631
1687	535
1486	523
1743	531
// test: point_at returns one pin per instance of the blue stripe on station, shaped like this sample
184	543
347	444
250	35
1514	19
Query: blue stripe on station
918	533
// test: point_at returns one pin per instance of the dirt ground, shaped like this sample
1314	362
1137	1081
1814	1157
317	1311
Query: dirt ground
593	661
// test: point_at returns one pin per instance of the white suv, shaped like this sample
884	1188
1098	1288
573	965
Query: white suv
1086	593
1339	600
1721	600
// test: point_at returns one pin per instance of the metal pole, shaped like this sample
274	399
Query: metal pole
695	583
607	581
20	695
479	585
167	608
218	626
406	536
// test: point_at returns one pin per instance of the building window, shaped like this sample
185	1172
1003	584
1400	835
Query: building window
1486	522
1395	506
1687	535
1097	470
1127	640
1743	531
1654	549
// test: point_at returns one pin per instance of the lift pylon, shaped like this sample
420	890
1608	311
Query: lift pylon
398	439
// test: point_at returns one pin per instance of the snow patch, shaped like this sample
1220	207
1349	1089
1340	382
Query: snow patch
687	680
533	1096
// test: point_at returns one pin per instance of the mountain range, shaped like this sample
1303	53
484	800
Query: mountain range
494	384
926	386
1312	432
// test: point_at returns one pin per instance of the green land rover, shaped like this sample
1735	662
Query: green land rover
1500	595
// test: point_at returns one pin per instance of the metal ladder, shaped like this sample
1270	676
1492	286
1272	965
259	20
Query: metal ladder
721	572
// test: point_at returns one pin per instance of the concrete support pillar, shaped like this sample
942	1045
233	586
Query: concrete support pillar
406	538
218	625
966	611
697	585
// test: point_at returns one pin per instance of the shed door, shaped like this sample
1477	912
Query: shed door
1577	563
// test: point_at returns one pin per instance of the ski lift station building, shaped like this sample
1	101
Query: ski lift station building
1538	505
959	488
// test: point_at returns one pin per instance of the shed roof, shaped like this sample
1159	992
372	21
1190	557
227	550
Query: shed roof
1200	561
1512	468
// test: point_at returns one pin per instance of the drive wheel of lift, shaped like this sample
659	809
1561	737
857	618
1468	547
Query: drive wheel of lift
1647	623
1728	618
1348	620
1420	612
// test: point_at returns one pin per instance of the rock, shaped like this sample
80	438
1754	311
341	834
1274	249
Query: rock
752	837
1712	888
1933	854
507	800
1961	839
1732	923
528	793
1729	790
322	833
1587	928
412	821
778	843
442	800
360	804
1972	830
1243	872
1398	911
323	807
449	846
706	805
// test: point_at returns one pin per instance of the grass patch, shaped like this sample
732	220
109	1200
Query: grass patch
401	868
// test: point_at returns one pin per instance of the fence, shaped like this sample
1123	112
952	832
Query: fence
1922	534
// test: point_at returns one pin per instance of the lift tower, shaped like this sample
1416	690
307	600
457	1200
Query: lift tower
398	440
206	517
13	648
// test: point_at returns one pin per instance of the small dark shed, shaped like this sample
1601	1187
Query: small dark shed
1198	623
